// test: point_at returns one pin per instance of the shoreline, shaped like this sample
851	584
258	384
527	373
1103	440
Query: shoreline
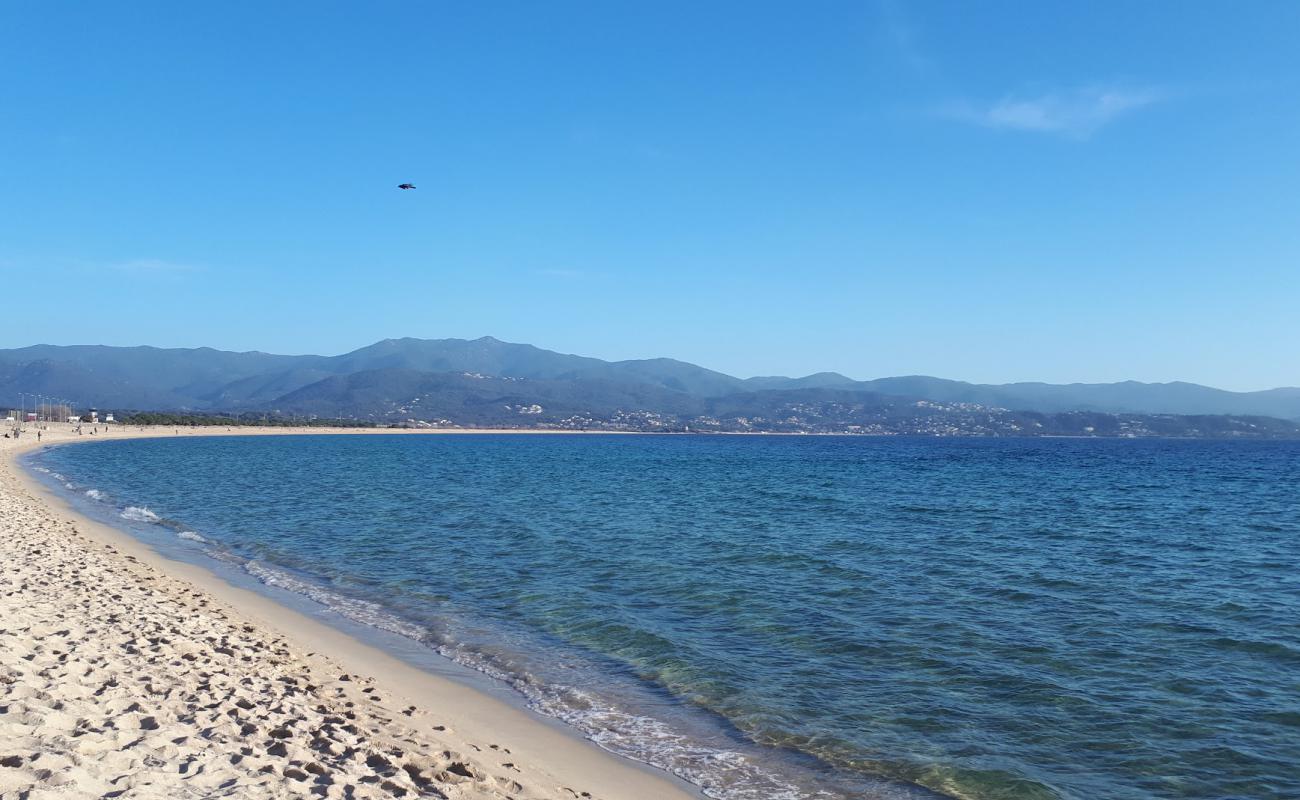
452	738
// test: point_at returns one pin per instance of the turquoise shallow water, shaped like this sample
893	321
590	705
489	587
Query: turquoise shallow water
798	617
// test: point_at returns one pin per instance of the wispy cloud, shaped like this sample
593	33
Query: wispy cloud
135	268
152	266
901	34
560	273
1076	113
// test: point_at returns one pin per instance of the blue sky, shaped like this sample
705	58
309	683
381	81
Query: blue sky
982	191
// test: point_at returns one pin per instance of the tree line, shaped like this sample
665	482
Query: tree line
236	420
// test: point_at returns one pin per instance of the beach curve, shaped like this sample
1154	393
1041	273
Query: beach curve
123	673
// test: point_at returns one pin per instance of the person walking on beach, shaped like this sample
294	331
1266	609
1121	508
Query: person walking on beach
38	435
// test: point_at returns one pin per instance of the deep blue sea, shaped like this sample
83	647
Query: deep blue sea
798	617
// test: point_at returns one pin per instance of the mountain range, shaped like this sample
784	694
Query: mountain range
487	381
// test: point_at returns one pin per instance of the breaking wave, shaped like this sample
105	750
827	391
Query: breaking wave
139	514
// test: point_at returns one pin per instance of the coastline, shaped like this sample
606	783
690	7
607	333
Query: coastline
212	720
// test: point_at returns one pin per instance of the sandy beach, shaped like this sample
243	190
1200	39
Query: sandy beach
124	674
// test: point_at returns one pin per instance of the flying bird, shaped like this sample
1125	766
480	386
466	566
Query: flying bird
406	186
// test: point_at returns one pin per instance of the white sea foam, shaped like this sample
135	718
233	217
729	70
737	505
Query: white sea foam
191	536
362	611
138	514
95	494
724	774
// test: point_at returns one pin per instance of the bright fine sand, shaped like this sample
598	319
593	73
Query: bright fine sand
123	674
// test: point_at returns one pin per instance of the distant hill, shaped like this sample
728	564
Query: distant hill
473	398
820	380
1125	397
478	381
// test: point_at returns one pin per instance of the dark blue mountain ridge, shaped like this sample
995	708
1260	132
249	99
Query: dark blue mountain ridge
205	379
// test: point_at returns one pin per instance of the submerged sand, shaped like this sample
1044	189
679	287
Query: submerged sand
123	674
